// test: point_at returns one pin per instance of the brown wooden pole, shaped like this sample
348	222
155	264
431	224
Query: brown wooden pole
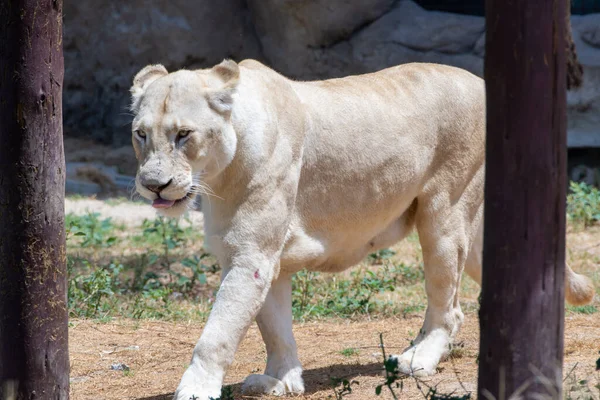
34	361
522	303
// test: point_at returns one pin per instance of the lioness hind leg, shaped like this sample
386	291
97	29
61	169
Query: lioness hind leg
445	234
283	373
579	289
474	260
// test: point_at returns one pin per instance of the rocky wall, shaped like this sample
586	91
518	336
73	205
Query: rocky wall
107	42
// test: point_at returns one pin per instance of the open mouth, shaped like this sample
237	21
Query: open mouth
159	202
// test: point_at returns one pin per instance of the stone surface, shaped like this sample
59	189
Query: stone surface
304	39
411	26
107	42
586	35
408	33
295	33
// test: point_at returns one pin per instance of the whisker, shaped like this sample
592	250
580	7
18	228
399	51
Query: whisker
133	194
202	188
204	192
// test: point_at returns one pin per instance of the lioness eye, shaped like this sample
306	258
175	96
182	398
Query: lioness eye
183	133
141	134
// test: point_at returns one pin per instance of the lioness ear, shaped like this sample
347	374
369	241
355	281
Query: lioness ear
221	98
142	80
228	71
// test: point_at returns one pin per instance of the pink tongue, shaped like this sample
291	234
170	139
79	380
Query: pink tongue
162	203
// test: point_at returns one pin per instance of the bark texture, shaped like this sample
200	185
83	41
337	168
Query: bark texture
522	304
34	361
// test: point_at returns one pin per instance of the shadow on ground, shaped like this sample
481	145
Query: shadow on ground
315	380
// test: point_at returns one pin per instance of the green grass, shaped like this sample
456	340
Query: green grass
363	292
583	204
587	309
159	270
163	277
159	279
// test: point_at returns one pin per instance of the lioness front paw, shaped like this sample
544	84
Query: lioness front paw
195	386
291	383
410	363
256	384
422	358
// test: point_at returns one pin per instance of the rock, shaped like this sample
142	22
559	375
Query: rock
76	186
588	175
96	178
479	48
105	45
119	367
123	158
291	32
586	36
591	36
176	296
388	41
416	28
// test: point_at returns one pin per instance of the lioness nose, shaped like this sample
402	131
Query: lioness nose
155	186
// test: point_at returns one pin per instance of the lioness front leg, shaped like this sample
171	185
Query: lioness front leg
284	372
445	239
240	297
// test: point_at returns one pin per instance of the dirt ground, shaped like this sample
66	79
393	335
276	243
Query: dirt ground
158	352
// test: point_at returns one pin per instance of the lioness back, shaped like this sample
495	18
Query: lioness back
373	144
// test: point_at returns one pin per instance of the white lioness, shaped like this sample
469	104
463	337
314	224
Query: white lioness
316	175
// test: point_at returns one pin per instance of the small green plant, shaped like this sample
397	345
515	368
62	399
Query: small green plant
393	377
380	255
345	389
349	352
95	232
198	270
226	394
165	231
583	204
88	293
407	274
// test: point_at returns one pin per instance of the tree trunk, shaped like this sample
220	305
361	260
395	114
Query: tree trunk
522	303
34	361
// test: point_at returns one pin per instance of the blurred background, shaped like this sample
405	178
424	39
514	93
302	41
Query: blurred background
304	39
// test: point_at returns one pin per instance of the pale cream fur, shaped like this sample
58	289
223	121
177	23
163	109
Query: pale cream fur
316	175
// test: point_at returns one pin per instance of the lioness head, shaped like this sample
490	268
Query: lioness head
181	131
